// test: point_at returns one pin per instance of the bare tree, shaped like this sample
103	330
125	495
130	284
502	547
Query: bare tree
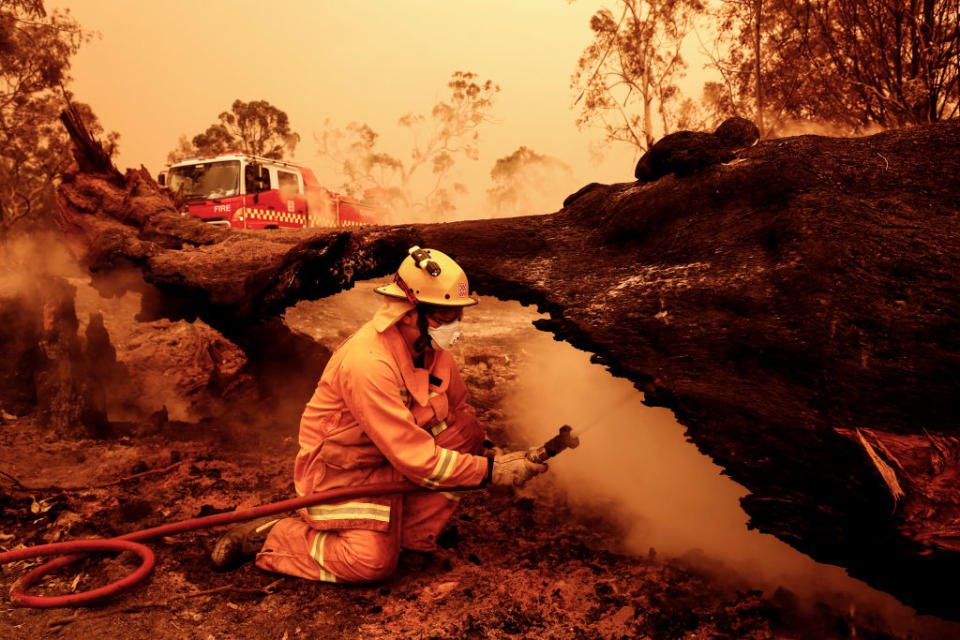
630	69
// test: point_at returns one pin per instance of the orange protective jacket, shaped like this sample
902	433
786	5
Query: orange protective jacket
375	418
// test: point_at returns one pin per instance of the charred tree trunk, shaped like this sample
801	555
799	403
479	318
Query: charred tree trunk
88	152
70	395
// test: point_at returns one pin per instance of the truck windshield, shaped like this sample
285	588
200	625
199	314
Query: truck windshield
207	180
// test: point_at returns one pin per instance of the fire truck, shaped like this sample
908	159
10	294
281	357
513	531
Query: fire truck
244	191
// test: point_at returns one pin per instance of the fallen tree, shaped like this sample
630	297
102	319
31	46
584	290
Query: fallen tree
797	310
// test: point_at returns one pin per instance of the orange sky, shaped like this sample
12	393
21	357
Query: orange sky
165	69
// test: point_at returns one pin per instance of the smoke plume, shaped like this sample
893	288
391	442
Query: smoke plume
635	463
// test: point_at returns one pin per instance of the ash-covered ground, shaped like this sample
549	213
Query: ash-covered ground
579	553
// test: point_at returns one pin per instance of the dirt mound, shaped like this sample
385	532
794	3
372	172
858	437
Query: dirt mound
187	367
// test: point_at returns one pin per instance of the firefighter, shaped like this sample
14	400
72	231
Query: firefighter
390	405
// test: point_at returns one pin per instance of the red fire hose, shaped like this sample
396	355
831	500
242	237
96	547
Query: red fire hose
130	542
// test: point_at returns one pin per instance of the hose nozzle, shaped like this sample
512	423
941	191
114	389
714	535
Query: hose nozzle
563	440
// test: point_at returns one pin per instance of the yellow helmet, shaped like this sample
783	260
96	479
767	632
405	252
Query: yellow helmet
428	276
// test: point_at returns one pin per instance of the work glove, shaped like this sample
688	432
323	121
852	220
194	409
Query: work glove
514	469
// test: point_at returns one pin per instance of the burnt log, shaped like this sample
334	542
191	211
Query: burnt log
798	311
686	152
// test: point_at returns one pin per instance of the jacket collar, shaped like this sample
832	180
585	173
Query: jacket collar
417	381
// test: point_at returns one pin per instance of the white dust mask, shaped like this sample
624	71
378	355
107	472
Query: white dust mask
446	335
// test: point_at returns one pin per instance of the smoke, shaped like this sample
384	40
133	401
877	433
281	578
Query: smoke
637	458
24	257
139	366
526	182
24	265
635	463
790	128
31	259
144	371
522	183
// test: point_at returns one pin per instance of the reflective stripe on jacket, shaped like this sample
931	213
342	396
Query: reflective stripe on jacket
375	418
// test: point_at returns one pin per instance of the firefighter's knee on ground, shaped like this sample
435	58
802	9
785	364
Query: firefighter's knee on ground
371	555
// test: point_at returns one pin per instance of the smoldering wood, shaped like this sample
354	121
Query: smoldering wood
775	305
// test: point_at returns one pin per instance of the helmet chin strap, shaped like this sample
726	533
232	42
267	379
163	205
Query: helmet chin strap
422	342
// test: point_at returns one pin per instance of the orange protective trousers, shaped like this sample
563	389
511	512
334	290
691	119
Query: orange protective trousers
295	548
356	555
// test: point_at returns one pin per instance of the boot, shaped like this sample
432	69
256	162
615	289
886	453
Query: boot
241	543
